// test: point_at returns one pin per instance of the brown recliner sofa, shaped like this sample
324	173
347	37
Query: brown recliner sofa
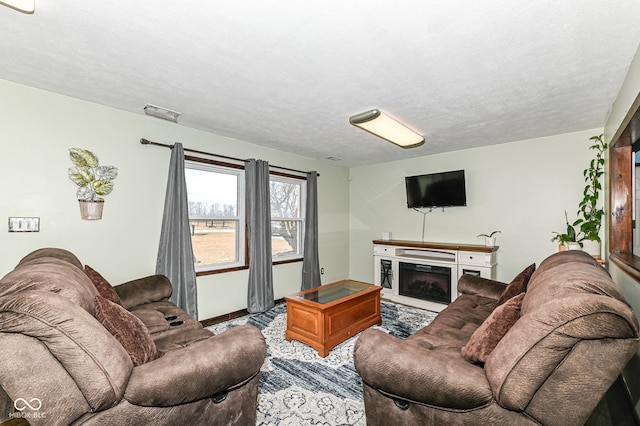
59	365
574	335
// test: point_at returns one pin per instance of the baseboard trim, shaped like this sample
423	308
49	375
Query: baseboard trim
231	315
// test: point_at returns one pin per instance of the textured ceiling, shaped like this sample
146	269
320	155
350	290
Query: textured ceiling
288	74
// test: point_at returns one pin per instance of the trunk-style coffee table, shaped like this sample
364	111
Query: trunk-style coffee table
323	317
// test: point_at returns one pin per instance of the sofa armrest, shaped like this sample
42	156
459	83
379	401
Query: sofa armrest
154	288
472	284
201	370
407	371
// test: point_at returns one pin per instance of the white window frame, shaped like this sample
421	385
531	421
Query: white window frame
299	254
240	217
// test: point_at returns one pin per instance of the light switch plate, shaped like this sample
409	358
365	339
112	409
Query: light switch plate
24	224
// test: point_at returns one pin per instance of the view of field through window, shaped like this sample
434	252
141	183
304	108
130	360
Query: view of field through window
215	216
214	242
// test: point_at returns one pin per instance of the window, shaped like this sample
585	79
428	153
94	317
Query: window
216	214
287	216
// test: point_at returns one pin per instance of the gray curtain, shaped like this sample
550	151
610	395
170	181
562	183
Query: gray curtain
311	264
175	253
260	293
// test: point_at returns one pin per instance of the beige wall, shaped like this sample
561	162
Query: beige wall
520	188
617	120
37	130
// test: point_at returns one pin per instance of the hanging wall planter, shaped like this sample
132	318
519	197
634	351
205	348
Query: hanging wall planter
91	209
92	180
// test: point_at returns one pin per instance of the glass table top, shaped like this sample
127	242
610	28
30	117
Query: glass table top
330	293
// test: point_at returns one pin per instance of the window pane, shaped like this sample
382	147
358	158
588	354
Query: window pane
287	216
214	241
211	193
285	238
216	214
285	199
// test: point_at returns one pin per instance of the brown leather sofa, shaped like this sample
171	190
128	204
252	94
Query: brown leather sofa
60	365
573	335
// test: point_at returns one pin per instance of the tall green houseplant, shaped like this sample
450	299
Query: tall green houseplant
589	213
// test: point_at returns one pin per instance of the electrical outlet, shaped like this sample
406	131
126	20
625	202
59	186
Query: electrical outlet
321	271
24	224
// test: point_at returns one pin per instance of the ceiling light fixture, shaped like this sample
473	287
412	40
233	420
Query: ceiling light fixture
160	112
385	127
24	6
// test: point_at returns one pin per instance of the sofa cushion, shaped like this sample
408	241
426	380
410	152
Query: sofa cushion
564	274
75	346
152	319
105	289
52	275
178	320
168	341
517	285
141	291
54	252
574	343
128	330
492	330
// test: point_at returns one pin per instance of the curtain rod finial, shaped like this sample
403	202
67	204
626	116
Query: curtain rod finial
144	141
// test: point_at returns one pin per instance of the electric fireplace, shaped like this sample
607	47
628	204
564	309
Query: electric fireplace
425	275
426	282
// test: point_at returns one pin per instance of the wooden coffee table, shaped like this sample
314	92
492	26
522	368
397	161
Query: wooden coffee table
325	316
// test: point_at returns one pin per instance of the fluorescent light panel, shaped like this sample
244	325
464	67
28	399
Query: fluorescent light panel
385	127
160	112
24	6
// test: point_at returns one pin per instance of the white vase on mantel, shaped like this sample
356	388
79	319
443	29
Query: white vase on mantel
592	247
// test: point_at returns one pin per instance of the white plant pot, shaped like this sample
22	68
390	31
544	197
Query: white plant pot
592	247
490	241
572	245
91	209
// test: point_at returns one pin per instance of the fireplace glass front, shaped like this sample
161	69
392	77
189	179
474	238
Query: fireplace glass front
426	282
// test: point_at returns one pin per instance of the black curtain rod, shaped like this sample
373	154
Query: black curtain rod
148	142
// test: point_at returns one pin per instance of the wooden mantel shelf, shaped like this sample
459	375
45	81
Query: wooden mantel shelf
439	246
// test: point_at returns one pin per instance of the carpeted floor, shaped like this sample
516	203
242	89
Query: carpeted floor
298	387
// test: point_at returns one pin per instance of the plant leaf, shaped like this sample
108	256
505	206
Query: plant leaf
83	158
80	176
103	187
85	193
106	172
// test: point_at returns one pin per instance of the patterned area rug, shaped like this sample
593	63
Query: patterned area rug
298	387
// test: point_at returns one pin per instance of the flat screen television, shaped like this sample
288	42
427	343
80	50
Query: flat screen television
445	189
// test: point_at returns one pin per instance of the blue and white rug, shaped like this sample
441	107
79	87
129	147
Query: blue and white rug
298	387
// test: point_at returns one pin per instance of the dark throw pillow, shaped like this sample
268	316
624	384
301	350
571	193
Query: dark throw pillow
105	289
486	337
128	330
517	285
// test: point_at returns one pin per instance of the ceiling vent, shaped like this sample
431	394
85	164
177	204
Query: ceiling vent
160	112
